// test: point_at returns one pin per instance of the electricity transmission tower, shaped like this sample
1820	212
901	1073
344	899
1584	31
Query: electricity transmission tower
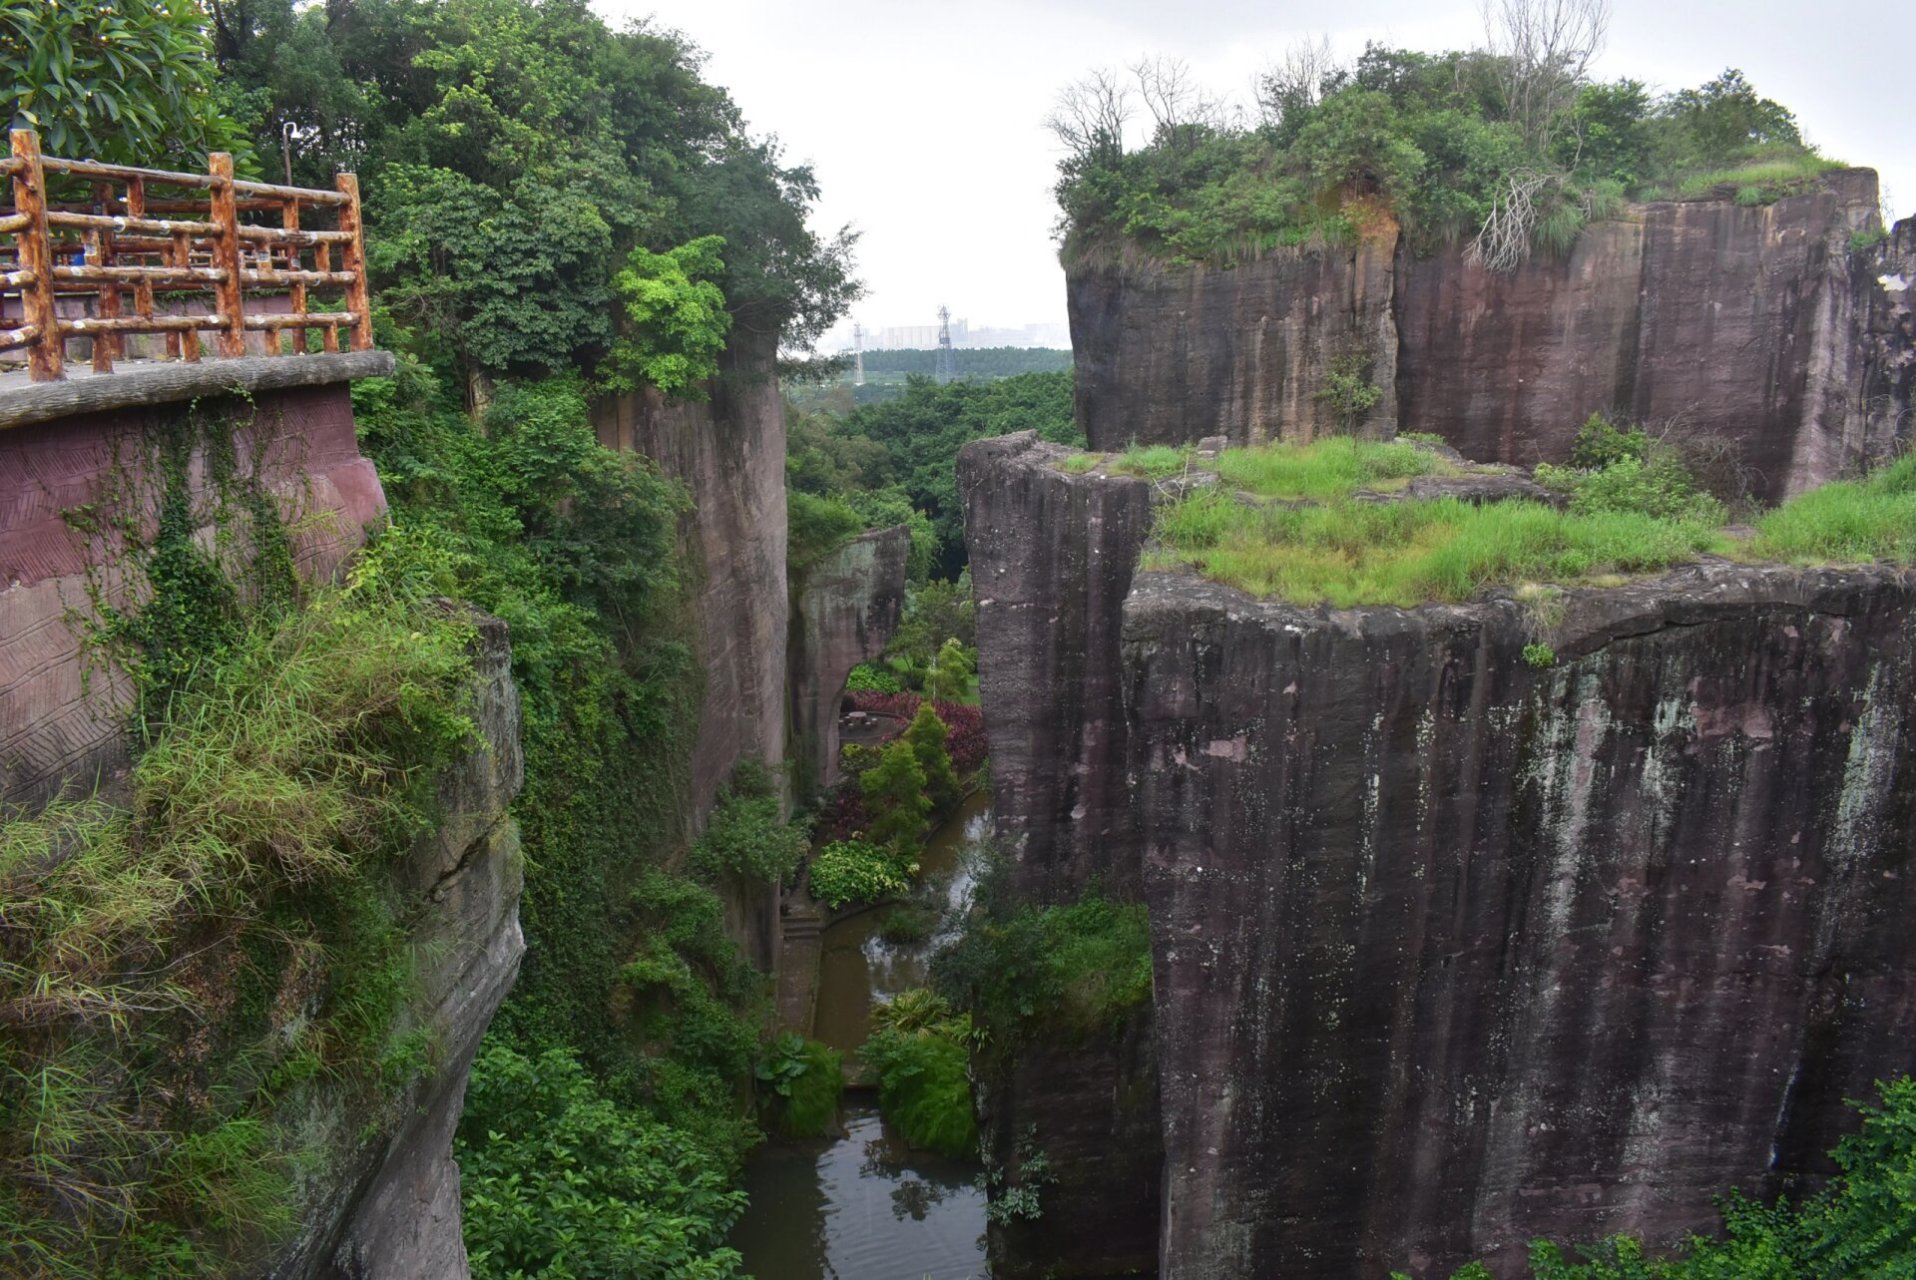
947	359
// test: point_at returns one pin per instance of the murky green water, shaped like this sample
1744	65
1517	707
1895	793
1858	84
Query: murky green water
862	1207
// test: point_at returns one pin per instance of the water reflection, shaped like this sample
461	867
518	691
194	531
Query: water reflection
858	967
860	1207
863	1207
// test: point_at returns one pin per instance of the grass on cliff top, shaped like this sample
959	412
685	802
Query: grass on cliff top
1848	522
1408	553
1334	467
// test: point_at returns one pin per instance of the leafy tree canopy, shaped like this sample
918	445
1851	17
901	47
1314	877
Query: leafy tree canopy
125	81
517	154
1518	149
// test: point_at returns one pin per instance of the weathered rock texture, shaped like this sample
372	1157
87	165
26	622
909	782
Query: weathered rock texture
848	606
729	453
1451	951
1885	282
1052	556
1753	323
384	1204
60	722
1170	355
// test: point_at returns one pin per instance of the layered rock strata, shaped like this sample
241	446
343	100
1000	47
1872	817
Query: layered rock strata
384	1202
1758	324
848	605
1452	950
729	453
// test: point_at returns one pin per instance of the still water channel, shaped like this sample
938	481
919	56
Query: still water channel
861	1206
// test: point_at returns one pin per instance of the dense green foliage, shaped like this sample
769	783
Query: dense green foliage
576	207
846	871
1019	970
184	974
1852	521
1861	1227
1446	145
747	835
127	82
800	1082
561	1180
919	1050
1615	468
905	451
515	156
676	319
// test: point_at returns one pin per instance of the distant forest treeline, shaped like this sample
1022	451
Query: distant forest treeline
971	362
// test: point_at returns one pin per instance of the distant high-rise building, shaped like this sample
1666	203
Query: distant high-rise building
858	349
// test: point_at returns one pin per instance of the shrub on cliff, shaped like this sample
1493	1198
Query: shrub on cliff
1077	968
1513	148
238	911
746	836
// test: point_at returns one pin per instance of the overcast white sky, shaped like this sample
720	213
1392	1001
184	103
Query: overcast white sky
924	120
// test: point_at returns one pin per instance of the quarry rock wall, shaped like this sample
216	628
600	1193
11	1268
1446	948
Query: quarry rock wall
1768	325
849	604
1451	950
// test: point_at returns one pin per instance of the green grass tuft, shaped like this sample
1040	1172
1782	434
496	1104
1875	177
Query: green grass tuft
1152	461
1335	467
1849	522
1407	553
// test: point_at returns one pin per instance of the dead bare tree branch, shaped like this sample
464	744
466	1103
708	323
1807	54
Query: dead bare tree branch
1544	49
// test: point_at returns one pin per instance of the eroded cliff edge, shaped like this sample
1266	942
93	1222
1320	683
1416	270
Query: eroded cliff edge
1761	324
1450	950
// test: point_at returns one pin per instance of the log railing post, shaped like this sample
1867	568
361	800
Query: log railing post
102	252
353	259
143	291
296	296
226	256
46	353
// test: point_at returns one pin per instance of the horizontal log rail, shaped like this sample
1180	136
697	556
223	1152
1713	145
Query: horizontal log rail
230	257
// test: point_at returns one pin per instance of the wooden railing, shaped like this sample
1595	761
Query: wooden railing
145	251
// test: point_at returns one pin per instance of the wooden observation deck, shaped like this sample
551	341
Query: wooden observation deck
108	254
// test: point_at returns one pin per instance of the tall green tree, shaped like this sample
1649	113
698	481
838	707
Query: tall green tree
125	81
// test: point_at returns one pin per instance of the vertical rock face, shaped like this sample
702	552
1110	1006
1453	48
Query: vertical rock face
59	719
1169	355
1760	324
384	1204
1452	952
1884	282
729	453
1052	556
848	607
